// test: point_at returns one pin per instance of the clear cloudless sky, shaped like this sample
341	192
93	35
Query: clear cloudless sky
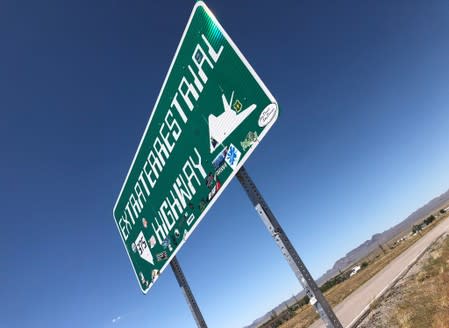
361	142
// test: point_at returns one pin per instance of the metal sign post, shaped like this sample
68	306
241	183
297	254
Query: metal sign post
187	293
312	291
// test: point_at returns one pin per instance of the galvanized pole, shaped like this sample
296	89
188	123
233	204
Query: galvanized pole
312	291
187	293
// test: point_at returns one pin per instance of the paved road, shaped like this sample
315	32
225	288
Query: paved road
354	305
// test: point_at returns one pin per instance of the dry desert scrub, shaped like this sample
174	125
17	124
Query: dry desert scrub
426	301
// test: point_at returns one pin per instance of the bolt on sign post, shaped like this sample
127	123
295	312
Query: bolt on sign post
210	114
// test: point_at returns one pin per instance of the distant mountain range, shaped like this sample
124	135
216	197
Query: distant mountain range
364	249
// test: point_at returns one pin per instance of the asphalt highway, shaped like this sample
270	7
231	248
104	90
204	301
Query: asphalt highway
356	304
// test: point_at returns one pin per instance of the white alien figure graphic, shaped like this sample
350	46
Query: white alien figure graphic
221	126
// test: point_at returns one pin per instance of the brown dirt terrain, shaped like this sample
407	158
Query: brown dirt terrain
303	316
421	298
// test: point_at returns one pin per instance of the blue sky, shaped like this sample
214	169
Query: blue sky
361	142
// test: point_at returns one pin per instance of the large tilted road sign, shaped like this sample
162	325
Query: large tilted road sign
210	114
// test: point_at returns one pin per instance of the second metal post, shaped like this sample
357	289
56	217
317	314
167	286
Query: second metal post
316	297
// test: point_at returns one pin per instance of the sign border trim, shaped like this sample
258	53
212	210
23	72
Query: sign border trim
242	160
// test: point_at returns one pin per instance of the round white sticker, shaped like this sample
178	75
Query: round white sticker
267	115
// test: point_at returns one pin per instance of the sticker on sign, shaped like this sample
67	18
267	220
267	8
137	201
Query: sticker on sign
210	103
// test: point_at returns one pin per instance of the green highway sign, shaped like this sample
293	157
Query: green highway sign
210	114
